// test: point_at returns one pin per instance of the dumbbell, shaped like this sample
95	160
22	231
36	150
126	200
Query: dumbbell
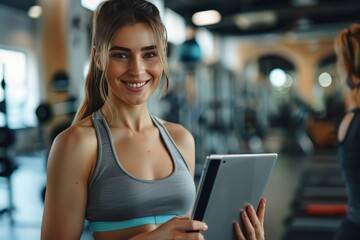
45	111
7	137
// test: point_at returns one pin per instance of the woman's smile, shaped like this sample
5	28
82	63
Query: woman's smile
135	85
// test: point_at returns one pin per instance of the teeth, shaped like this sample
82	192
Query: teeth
136	85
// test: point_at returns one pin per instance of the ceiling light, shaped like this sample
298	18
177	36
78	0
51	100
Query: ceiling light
204	18
35	12
251	19
90	4
325	79
175	25
277	77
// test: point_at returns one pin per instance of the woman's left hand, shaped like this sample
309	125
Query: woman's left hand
253	223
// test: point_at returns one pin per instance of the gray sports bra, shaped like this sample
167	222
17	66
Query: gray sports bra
118	200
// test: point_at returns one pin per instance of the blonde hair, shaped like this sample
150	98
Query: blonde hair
347	48
109	17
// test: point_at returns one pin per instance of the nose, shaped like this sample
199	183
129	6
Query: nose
136	66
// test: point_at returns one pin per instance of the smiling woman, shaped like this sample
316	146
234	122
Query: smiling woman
127	172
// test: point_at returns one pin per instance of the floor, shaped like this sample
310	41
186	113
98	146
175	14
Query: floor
27	183
29	179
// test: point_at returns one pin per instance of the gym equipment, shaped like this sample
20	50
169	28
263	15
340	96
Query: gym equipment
320	202
325	209
296	114
312	229
218	121
322	171
45	111
204	104
336	193
60	82
7	165
190	52
3	107
7	137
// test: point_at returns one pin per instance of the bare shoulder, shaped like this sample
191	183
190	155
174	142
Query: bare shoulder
77	136
75	147
344	126
179	133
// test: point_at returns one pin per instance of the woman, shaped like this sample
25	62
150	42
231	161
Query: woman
347	47
127	172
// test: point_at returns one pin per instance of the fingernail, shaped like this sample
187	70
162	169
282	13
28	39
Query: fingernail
206	226
249	208
243	214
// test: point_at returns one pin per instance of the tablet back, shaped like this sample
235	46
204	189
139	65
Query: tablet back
227	184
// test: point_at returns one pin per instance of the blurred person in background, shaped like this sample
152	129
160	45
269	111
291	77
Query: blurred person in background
347	48
127	172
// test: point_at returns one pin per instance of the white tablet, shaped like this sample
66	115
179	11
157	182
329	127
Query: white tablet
229	182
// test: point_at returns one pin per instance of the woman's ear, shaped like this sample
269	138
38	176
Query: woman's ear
95	56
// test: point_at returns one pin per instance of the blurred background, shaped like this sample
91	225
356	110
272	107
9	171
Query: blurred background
247	76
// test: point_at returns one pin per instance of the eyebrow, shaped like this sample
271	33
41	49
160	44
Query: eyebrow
147	48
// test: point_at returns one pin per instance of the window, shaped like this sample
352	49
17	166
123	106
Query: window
21	100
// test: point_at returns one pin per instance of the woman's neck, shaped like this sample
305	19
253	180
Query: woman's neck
135	118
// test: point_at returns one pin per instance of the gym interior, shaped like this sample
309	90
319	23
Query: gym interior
264	80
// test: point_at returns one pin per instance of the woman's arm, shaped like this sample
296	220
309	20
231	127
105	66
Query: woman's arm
68	172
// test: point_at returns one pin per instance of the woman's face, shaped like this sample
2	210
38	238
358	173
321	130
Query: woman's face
134	67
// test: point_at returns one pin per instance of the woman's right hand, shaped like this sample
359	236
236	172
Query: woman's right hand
176	228
253	223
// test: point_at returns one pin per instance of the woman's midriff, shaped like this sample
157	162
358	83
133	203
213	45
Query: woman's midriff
124	234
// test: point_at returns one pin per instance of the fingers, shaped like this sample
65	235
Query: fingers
190	229
180	228
257	218
260	212
253	221
249	228
184	224
238	233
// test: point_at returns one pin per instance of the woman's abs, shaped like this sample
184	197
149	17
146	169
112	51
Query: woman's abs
124	234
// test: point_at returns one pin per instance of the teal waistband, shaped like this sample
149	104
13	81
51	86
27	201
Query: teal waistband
111	226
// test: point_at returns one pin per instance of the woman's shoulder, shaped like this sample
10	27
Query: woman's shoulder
80	133
74	150
76	142
177	131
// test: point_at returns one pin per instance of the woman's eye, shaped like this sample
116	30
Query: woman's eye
120	56
150	55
